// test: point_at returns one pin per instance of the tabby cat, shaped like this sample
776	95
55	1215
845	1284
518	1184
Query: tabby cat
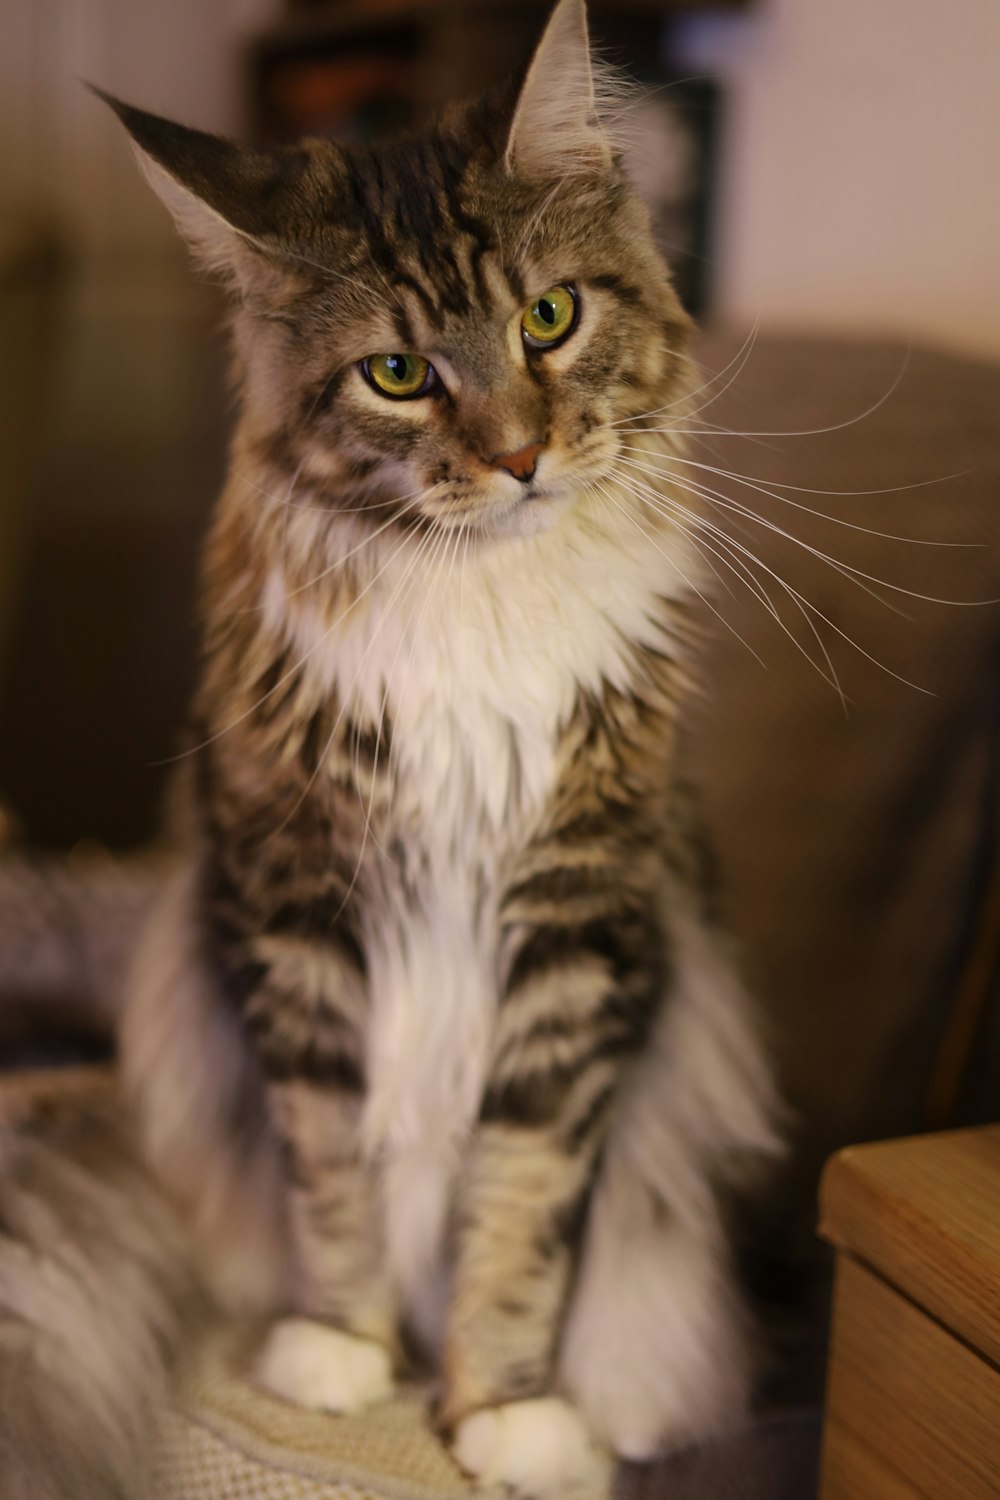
435	1042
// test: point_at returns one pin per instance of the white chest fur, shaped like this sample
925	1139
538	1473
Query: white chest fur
477	662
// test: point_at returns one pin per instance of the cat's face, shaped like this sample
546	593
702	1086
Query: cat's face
473	366
444	331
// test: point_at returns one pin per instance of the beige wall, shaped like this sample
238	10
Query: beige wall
861	185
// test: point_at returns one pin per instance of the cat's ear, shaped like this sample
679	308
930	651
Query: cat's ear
230	202
556	130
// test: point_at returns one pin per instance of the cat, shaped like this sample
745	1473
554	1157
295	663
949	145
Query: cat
436	1041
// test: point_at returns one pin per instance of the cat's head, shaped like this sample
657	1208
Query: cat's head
442	329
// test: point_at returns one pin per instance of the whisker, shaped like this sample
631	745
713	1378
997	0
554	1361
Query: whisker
718	500
749	344
811	431
744	571
819	614
830	675
890	489
715	497
434	558
292	670
761	488
309	505
743	353
462	572
407	573
407	504
676	567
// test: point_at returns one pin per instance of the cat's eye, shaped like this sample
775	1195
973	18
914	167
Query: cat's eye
401	376
551	319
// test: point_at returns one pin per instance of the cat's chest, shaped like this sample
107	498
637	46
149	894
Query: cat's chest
468	674
469	684
474	712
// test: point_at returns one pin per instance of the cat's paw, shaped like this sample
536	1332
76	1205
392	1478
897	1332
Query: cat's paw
312	1365
541	1450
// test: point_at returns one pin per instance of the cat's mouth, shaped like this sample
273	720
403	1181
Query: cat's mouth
538	507
550	490
505	508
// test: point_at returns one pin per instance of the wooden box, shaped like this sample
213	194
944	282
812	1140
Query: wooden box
913	1398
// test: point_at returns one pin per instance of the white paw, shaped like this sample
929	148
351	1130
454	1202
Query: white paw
537	1448
312	1365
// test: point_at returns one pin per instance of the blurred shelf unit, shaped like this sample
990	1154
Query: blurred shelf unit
354	71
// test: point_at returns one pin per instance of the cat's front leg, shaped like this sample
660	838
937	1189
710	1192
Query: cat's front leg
525	1197
577	1007
336	1353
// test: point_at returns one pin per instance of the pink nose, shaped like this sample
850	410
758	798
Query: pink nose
521	464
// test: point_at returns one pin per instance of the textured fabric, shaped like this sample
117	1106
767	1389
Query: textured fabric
388	1452
230	1442
195	1463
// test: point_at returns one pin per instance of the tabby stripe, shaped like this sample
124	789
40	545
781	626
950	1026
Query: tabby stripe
317	1054
629	940
623	290
316	400
558	909
315	976
424	297
570	994
568	1221
580	831
579	1126
565	1025
540	1097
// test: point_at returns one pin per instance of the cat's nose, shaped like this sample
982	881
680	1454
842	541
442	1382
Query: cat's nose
521	464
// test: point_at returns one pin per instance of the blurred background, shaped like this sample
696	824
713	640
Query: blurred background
824	173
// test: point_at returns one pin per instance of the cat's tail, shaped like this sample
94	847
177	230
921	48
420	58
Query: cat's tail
96	1288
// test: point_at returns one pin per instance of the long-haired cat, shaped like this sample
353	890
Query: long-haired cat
435	1041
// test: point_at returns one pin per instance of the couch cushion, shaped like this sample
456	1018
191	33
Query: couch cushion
856	836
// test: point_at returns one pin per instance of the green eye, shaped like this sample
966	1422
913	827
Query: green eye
549	320
401	376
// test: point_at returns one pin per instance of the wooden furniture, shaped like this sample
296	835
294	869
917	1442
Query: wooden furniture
913	1399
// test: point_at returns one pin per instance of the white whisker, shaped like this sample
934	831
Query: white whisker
292	670
740	357
674	507
718	500
762	488
819	614
408	571
600	488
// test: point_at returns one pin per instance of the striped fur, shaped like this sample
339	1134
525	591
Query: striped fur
435	1041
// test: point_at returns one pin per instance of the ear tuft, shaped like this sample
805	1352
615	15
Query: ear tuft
557	130
226	199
